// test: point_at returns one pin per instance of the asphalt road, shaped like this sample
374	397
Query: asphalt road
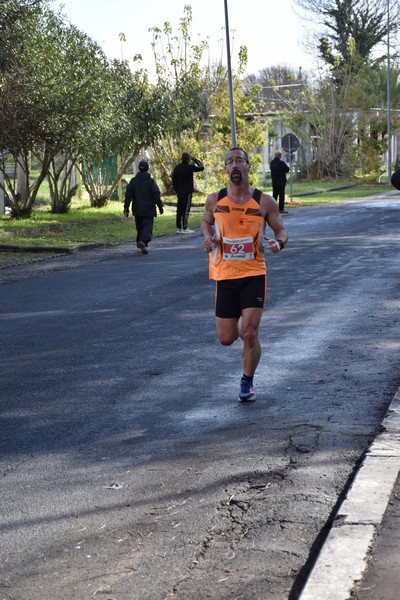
129	469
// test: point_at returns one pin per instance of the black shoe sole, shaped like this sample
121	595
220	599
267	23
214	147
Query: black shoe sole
143	248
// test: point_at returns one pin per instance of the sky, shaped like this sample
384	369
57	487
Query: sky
269	29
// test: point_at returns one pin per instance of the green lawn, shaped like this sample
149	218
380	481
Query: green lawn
106	225
323	192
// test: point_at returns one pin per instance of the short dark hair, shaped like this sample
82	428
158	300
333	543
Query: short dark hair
185	157
241	150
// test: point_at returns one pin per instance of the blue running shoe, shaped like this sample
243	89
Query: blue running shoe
247	393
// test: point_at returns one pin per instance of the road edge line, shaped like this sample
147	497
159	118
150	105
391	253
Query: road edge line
343	558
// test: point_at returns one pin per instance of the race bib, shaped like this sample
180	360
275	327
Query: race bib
237	249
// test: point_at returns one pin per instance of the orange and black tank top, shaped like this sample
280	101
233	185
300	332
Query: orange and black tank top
239	230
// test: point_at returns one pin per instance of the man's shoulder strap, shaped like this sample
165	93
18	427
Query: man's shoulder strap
256	194
222	193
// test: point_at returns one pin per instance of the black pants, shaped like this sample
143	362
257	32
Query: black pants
144	229
278	192
182	210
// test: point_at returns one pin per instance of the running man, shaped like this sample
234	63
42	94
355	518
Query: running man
233	226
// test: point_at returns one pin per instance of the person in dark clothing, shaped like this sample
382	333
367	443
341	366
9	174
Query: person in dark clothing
182	181
278	176
144	194
395	179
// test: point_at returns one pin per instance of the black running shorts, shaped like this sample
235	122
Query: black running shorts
233	295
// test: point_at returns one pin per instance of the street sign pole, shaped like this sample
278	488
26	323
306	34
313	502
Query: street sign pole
290	144
2	195
290	171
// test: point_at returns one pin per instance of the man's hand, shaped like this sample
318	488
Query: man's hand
126	212
161	210
273	245
209	243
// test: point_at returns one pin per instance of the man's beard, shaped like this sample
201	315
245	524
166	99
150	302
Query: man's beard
236	177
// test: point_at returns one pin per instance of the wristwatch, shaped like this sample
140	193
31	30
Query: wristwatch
281	244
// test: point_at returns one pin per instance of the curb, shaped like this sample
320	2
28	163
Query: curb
343	558
54	249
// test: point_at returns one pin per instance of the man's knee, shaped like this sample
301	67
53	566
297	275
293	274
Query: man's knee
227	334
249	336
227	339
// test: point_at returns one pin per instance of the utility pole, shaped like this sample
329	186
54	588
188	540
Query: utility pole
228	55
388	98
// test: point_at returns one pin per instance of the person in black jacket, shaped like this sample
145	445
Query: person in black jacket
278	176
144	194
182	181
395	179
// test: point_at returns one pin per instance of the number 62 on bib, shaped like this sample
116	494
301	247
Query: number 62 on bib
238	248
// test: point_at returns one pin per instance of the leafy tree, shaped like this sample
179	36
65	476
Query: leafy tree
182	81
20	123
198	112
132	116
321	114
364	21
281	87
343	128
74	105
250	128
345	135
61	99
47	97
16	18
370	100
351	35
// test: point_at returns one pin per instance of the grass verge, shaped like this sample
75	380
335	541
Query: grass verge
69	233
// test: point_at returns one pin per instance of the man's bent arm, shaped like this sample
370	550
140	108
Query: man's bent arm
269	209
207	223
